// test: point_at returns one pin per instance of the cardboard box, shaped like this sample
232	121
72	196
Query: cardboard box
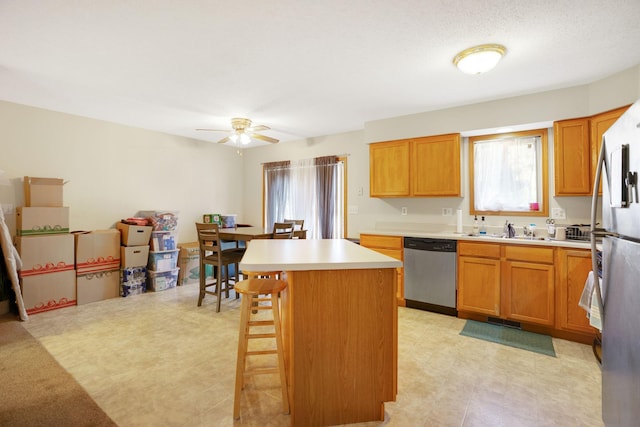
97	250
98	286
212	219
134	235
43	192
189	263
134	256
32	221
44	292
46	254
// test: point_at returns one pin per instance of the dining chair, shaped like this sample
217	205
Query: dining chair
213	253
282	230
297	223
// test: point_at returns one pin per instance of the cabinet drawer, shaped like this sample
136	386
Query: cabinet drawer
529	253
378	241
482	250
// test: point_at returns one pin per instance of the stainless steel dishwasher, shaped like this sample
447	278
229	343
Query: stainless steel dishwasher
430	274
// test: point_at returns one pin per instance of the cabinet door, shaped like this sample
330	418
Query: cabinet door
389	169
573	267
435	166
600	123
392	246
572	157
529	292
479	285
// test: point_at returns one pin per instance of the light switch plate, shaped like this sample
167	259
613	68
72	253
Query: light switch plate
353	209
558	213
447	212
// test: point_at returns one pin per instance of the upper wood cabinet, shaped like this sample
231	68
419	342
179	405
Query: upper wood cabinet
389	169
572	157
435	166
599	125
576	146
418	167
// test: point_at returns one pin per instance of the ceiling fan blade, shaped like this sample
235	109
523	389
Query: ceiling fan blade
257	128
264	138
223	140
216	130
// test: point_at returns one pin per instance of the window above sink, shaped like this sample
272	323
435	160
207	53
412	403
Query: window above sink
509	174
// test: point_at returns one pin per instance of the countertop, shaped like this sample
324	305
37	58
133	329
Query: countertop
489	238
310	254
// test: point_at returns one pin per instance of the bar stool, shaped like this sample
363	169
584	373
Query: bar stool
251	291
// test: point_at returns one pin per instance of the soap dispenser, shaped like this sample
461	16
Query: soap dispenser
483	227
476	229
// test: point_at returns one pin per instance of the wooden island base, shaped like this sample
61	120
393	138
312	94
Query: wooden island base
340	342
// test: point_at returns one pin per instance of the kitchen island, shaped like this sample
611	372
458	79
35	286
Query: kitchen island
339	318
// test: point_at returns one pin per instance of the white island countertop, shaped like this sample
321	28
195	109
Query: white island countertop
310	254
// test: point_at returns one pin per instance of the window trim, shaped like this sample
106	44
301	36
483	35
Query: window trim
544	170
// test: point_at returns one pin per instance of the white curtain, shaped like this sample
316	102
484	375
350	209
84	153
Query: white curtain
294	190
505	177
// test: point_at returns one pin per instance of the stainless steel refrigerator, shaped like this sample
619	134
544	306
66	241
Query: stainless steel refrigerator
618	293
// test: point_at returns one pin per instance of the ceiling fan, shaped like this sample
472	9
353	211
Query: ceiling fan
242	132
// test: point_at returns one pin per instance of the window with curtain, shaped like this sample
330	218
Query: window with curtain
310	189
508	173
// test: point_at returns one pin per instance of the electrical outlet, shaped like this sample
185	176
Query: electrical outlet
446	212
558	213
360	191
353	209
404	211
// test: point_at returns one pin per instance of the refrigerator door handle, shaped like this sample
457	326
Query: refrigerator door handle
594	232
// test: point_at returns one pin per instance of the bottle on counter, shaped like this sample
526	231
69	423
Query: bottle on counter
476	228
483	227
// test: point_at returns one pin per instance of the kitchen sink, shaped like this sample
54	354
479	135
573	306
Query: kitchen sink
500	236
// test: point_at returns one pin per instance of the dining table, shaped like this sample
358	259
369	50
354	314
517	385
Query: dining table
250	233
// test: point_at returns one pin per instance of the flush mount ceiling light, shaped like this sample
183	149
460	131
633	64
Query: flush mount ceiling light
479	59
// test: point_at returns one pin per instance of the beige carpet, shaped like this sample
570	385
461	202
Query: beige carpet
36	390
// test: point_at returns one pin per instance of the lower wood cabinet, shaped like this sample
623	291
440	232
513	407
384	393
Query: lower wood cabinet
528	284
573	267
392	246
538	286
479	278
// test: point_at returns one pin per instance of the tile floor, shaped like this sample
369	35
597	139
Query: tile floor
159	360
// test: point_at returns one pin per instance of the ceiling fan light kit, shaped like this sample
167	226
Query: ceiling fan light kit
242	131
479	59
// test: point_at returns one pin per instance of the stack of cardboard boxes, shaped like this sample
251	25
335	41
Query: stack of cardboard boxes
134	254
97	264
48	276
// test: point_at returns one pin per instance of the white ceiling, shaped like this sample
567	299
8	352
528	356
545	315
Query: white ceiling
305	68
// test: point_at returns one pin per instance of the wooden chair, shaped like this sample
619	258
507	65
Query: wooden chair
282	230
212	253
251	290
297	223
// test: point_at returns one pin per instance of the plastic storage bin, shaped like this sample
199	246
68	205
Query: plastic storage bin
163	240
163	260
162	280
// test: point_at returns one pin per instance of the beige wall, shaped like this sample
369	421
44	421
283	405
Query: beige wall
620	89
114	171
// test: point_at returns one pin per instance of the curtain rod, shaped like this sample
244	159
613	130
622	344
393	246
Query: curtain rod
337	155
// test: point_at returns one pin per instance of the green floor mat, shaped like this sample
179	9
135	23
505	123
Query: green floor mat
509	336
